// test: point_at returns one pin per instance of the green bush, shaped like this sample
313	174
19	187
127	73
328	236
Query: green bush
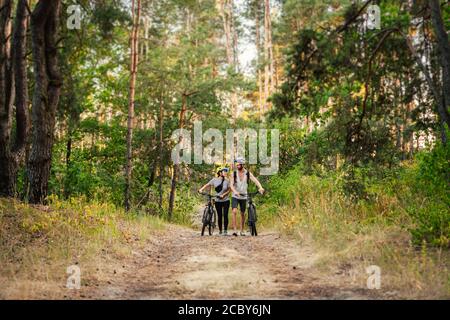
430	197
414	194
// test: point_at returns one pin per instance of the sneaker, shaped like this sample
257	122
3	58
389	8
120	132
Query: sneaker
220	233
235	234
225	233
242	233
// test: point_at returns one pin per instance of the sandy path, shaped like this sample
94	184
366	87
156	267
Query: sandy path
180	264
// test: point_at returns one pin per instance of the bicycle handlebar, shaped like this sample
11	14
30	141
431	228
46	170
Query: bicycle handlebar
251	194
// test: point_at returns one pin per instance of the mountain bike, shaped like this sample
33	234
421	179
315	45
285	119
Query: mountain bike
252	217
209	215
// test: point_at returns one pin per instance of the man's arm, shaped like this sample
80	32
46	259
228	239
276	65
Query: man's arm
232	186
258	184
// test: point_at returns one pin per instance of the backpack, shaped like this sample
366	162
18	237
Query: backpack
220	186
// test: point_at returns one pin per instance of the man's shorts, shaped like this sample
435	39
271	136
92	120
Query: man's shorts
242	203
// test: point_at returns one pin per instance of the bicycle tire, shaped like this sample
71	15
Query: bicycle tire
204	217
203	229
212	215
252	220
204	220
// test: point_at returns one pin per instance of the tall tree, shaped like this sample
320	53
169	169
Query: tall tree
444	55
256	8
176	166
7	94
231	41
160	150
14	83
136	12
268	52
48	82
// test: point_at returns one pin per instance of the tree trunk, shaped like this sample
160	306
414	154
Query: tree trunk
67	181
160	153
268	55
444	55
130	122
442	110
226	19
152	166
258	59
230	45
15	84
270	45
234	38
48	82
6	97
176	166
21	78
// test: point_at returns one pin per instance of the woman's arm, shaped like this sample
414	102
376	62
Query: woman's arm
204	187
226	192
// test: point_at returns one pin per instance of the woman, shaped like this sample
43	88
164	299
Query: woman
222	203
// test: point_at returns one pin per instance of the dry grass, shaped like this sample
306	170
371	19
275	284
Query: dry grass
348	238
38	243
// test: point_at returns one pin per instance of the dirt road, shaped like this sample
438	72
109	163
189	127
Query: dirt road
180	264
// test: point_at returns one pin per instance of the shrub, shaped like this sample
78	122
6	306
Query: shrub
430	197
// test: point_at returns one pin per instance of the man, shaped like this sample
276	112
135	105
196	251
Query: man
239	186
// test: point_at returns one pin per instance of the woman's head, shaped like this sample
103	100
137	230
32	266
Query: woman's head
222	171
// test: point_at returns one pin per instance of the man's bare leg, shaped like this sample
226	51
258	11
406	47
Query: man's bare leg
234	220
242	221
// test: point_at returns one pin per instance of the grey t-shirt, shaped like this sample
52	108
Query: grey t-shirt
215	182
241	186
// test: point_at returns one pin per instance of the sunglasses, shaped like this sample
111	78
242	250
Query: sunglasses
225	170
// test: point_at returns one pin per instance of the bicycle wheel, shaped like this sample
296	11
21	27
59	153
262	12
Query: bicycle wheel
252	220
205	220
212	222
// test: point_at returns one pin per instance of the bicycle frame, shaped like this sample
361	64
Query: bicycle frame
251	217
210	198
250	196
210	209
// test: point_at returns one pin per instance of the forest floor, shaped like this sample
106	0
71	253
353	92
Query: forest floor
181	264
165	261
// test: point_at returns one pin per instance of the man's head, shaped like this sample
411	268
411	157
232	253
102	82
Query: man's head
240	163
